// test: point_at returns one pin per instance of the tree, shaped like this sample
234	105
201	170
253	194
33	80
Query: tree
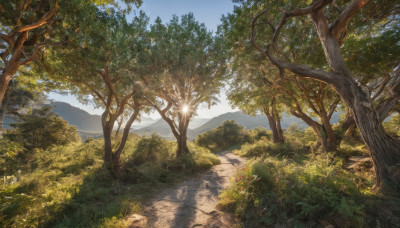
28	27
187	72
99	66
331	23
247	94
227	134
42	129
257	83
23	94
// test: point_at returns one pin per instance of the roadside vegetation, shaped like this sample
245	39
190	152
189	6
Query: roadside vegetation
68	186
292	185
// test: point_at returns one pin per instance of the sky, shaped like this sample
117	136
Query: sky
208	12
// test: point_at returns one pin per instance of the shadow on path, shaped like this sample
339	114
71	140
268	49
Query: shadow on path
193	202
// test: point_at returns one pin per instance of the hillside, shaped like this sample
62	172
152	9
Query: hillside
78	117
249	122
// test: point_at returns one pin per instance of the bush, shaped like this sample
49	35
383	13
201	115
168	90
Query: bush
270	191
42	129
264	147
13	157
227	134
150	149
260	133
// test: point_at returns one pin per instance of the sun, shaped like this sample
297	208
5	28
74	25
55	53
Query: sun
185	109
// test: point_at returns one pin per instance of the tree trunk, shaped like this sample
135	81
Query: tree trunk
275	125
108	158
329	134
384	149
281	139
4	81
182	138
3	110
182	146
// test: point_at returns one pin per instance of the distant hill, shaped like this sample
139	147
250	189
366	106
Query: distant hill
88	125
197	122
249	122
78	117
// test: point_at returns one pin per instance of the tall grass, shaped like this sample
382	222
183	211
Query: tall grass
67	186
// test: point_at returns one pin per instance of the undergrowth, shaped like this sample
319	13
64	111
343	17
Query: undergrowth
291	186
67	186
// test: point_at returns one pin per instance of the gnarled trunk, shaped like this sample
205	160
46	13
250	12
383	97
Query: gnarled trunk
107	142
182	146
5	79
275	125
384	149
3	110
182	136
112	159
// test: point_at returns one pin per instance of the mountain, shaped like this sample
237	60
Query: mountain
144	122
87	125
197	122
78	117
160	127
249	122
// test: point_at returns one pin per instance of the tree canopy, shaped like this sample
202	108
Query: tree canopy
188	69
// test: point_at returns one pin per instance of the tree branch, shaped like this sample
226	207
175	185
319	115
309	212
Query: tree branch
45	19
339	27
299	69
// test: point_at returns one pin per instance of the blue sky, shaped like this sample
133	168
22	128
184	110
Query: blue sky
208	12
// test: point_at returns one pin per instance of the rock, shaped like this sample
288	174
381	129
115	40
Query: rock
137	221
326	224
358	162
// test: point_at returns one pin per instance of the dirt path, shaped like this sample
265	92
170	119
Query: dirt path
193	202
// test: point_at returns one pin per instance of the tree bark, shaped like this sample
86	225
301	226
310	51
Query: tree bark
4	81
384	149
107	142
180	131
3	110
182	139
275	125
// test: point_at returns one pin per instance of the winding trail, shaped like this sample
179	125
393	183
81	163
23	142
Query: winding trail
193	202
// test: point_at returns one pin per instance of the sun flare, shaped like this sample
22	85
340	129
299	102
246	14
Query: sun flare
185	109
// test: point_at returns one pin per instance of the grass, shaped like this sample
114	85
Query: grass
289	185
67	186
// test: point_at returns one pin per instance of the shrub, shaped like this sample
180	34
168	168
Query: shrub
264	147
260	133
13	157
270	191
150	149
225	135
42	129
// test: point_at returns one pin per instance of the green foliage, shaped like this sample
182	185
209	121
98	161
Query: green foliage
13	157
69	187
393	125
290	148
42	129
271	191
225	135
153	149
260	133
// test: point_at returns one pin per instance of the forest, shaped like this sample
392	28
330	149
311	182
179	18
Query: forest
311	60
